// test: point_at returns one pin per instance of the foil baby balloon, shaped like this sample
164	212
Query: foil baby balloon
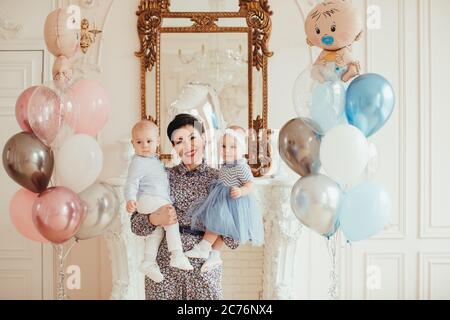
334	26
62	37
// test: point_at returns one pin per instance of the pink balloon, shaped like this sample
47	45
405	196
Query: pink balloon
50	110
62	35
21	214
58	214
94	106
22	109
44	114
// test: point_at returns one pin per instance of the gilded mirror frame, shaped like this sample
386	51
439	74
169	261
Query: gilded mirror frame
257	15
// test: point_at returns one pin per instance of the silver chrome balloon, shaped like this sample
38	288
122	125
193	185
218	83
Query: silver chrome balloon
103	206
299	147
315	201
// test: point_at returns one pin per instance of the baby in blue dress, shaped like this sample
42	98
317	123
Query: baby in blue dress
230	209
146	190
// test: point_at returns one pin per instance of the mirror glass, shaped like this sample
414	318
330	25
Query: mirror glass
205	74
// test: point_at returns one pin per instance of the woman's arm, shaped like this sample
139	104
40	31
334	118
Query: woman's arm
145	224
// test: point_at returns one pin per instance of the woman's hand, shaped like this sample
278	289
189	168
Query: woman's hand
164	216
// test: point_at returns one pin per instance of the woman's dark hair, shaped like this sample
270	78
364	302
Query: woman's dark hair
182	120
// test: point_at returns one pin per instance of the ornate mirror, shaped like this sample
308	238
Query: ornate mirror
208	58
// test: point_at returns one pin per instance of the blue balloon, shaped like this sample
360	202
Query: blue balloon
328	105
365	211
370	103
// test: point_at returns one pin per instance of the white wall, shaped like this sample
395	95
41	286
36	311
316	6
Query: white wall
413	255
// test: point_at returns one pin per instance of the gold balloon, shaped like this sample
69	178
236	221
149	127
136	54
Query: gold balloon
28	161
299	147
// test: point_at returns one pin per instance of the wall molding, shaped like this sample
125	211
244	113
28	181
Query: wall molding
396	232
399	258
24	276
426	230
426	262
9	30
18	253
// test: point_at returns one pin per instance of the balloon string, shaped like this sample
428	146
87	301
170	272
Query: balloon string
333	290
60	294
59	248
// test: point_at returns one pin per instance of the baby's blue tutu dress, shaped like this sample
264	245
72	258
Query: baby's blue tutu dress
240	218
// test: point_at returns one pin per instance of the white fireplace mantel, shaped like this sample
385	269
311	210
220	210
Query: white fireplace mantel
282	236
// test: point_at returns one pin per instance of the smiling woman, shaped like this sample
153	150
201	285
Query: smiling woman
186	134
189	182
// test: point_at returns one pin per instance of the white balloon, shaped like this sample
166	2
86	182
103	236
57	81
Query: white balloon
373	163
79	162
370	172
344	153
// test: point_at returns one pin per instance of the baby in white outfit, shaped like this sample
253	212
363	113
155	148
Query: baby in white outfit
146	190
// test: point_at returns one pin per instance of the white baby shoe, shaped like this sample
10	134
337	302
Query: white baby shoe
151	270
200	250
212	262
180	261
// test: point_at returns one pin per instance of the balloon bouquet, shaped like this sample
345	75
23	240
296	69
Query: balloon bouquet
59	122
327	145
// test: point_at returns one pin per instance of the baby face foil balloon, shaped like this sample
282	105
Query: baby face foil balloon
62	33
333	25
